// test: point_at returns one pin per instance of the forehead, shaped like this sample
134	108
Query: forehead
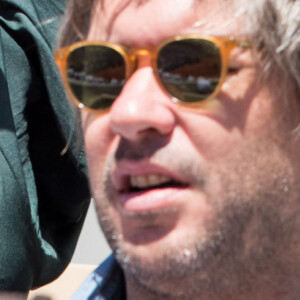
132	22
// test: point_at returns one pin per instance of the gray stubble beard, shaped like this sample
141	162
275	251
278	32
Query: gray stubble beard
242	254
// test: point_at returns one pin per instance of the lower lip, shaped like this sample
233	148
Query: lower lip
150	200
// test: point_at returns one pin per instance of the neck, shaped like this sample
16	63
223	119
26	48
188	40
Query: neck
271	288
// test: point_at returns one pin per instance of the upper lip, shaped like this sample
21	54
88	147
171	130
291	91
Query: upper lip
127	171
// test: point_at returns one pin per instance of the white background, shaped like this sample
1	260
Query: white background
92	247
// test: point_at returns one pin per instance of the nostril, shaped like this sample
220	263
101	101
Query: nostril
150	131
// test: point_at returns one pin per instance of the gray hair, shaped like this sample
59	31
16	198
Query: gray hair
75	22
273	26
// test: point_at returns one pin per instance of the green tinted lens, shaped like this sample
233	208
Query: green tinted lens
96	75
190	69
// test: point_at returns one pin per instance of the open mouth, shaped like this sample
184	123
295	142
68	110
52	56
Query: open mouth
151	191
137	183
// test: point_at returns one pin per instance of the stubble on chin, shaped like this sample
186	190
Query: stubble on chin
247	237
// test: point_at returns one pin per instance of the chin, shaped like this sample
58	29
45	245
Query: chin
173	254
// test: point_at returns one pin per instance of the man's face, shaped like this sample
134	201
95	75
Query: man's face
195	193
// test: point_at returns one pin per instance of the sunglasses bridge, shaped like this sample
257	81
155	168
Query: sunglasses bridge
135	55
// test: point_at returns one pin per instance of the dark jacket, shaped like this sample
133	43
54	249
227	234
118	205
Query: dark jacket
43	195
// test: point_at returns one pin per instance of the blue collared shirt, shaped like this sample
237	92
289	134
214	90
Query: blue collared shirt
105	283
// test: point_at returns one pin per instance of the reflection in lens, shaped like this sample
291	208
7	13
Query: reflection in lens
96	75
204	86
190	69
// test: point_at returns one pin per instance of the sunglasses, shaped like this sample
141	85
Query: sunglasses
191	69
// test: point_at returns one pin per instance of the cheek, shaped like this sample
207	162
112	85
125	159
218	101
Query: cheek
247	115
97	135
210	137
98	140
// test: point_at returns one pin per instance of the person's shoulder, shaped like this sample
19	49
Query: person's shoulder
104	283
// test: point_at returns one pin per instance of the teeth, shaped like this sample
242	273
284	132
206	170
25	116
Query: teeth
147	181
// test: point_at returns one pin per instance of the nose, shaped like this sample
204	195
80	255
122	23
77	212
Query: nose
142	105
